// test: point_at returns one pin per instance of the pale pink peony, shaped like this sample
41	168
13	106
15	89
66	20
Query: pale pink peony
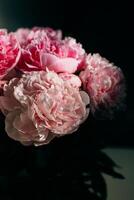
9	52
104	82
40	106
44	51
71	79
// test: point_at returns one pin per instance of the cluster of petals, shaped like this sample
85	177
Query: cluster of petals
45	48
9	52
46	82
103	81
43	105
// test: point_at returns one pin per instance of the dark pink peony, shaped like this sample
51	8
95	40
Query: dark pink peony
42	105
9	52
104	82
45	49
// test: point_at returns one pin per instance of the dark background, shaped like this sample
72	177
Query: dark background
106	28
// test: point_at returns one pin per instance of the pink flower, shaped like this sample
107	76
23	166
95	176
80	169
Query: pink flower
71	79
42	105
45	49
22	36
9	52
104	82
25	35
51	33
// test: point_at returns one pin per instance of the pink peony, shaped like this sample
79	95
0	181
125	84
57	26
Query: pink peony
46	50
71	79
9	52
103	81
22	36
25	35
42	105
51	33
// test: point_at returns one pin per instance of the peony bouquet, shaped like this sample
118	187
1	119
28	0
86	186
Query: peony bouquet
50	84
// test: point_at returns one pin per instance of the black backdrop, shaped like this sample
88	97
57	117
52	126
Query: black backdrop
104	28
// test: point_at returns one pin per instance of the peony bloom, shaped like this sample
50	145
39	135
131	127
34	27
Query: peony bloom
22	36
72	79
45	49
42	105
51	33
25	35
104	83
66	57
9	52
